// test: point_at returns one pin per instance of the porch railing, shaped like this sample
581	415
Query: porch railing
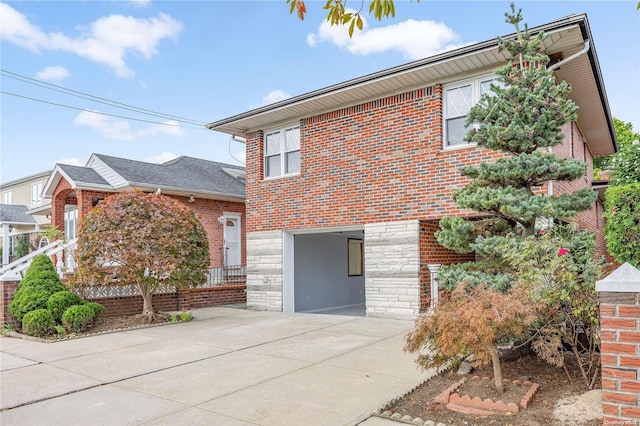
226	275
64	254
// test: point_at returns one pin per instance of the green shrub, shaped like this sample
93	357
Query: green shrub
41	272
622	230
77	318
38	323
39	282
98	309
60	302
28	299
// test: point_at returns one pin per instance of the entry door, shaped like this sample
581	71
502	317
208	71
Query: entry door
232	234
70	221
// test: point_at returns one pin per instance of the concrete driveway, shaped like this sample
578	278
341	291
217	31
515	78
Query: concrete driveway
227	367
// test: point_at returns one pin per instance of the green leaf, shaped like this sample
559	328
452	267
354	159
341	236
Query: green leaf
359	22
292	7
353	21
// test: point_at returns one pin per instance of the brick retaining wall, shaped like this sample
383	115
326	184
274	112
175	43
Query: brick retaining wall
128	305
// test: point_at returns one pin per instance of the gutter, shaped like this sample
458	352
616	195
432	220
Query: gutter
390	72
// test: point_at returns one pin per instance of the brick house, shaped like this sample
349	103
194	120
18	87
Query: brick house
346	184
215	191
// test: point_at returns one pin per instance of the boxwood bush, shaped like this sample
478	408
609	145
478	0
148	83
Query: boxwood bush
77	318
38	323
39	282
60	302
98	309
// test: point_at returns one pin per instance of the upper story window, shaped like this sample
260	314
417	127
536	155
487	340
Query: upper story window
282	151
6	197
36	194
459	97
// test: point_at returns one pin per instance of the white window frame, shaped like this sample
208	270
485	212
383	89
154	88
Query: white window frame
7	197
36	194
475	84
283	151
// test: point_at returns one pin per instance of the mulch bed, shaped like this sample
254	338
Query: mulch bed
103	325
554	385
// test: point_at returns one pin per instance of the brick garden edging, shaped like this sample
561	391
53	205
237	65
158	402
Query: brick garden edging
466	404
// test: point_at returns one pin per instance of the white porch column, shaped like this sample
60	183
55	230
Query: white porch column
5	244
433	272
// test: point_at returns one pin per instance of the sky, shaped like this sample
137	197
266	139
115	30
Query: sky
191	63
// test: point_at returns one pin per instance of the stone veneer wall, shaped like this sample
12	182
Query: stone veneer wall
264	263
392	269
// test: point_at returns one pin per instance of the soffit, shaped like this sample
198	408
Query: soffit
441	68
564	36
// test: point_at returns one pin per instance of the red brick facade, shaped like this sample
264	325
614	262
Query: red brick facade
206	210
380	161
431	252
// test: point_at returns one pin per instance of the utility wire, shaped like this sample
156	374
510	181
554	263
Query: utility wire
102	113
97	99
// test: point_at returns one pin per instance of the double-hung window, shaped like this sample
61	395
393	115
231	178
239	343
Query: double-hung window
282	151
6	197
459	97
36	194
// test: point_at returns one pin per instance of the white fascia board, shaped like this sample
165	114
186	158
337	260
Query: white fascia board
56	175
184	191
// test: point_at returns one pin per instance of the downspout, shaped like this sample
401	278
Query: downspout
585	49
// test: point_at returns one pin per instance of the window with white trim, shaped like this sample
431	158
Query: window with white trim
282	151
459	97
6	197
36	194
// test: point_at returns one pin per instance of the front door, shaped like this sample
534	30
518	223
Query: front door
70	221
232	241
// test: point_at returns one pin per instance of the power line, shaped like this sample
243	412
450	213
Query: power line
101	113
97	99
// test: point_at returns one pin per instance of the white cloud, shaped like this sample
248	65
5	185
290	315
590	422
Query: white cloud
55	74
119	129
140	3
241	157
72	161
170	127
108	127
414	39
163	157
275	96
108	40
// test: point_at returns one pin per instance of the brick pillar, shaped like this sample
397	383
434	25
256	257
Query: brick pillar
619	295
7	290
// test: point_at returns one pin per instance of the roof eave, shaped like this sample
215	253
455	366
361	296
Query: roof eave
174	190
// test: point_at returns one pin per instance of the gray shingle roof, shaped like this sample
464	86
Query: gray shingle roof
11	213
83	174
183	172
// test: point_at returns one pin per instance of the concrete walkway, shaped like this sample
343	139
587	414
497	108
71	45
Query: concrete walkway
227	367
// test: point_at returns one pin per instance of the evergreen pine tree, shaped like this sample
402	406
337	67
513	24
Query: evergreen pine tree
522	118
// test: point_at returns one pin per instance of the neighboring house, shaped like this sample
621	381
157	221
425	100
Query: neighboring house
20	199
215	191
346	184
